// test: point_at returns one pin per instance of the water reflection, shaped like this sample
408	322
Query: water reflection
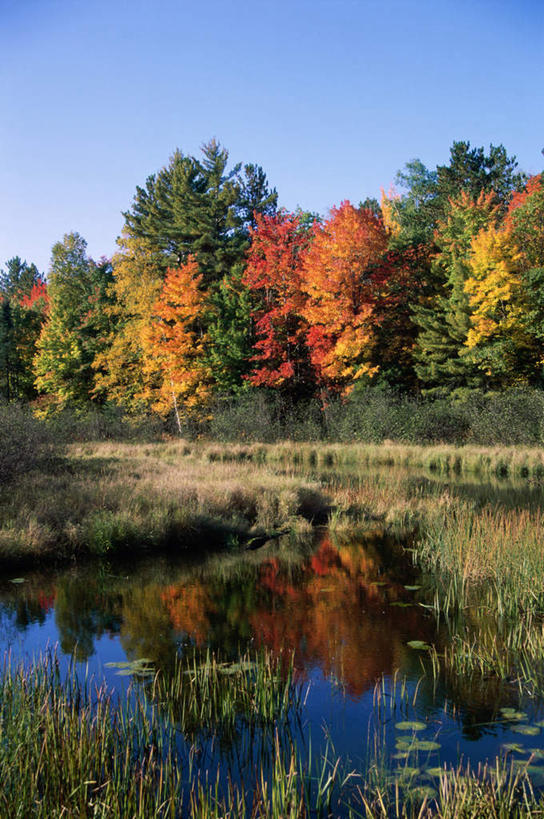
345	609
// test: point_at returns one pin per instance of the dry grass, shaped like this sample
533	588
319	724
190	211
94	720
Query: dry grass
102	497
480	460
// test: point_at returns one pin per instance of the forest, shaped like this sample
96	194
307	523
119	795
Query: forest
436	291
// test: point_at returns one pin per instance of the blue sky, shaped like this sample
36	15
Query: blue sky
331	97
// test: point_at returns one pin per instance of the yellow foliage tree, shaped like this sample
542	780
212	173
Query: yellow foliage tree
498	336
123	374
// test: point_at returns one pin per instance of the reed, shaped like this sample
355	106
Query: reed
441	458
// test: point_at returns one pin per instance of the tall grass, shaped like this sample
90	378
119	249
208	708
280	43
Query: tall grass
488	557
441	458
206	694
70	748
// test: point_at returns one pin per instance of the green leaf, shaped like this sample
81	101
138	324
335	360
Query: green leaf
418	645
410	726
527	730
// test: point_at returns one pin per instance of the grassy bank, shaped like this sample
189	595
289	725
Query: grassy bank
99	498
95	498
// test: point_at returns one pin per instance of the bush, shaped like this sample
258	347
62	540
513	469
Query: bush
512	417
103	424
25	441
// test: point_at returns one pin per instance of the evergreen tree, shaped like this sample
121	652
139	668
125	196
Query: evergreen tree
230	334
201	208
255	196
425	202
23	304
444	319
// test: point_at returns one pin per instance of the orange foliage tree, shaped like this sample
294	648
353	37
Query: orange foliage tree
341	278
176	340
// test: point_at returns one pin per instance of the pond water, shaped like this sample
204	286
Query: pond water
348	610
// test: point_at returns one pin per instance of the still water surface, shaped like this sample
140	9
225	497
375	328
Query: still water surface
346	609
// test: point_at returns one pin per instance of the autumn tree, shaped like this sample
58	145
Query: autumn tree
273	274
176	341
341	278
122	373
498	340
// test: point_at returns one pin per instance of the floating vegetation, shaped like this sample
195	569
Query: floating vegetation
418	645
410	726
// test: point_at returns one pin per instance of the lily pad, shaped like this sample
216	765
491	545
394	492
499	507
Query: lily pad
519	764
139	671
378	583
418	645
410	726
513	714
17	580
402	605
425	745
514	747
143	661
528	730
408	771
421	792
517	716
401	755
412	588
411	744
437	772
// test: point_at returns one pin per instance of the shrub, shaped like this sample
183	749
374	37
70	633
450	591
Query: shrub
24	441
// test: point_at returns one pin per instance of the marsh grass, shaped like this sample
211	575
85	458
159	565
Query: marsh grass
71	748
440	458
207	694
101	498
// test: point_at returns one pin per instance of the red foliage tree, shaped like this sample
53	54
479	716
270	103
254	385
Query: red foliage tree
273	273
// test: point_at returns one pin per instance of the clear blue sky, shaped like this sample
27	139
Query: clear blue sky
331	97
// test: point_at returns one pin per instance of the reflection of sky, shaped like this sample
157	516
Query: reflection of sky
329	609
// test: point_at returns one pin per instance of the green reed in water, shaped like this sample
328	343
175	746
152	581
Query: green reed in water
69	748
207	694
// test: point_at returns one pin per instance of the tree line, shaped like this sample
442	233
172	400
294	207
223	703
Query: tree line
437	289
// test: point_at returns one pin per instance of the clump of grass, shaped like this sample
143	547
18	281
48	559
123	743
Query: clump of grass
206	694
491	791
88	753
69	750
485	557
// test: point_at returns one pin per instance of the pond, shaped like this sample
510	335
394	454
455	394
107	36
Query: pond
353	612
